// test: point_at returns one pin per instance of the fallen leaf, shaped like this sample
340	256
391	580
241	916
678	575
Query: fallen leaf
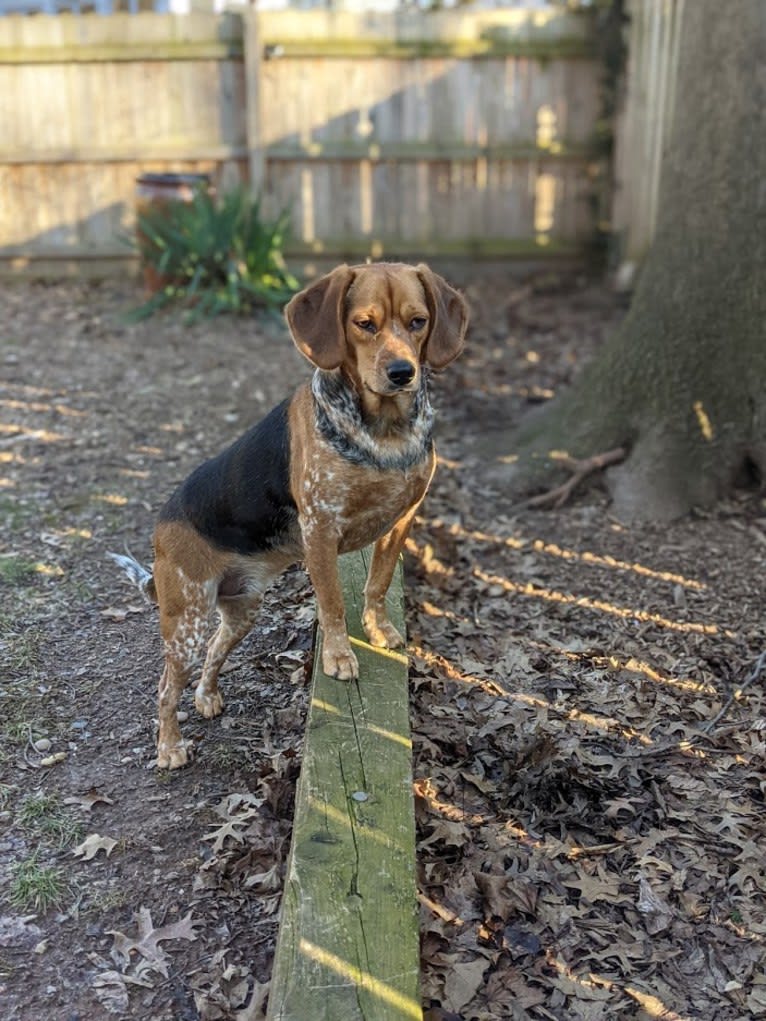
87	801
111	992
148	942
92	844
504	895
256	1008
463	981
657	913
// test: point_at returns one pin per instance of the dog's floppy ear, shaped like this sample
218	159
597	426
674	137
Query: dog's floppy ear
449	319
316	318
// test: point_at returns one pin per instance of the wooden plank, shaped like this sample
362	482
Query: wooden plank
462	49
429	151
348	947
531	31
122	53
120	37
127	152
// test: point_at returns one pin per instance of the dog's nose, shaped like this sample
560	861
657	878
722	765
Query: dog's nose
400	372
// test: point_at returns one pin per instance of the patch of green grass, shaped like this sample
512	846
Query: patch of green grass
111	899
22	716
25	651
41	815
16	731
16	570
14	512
36	887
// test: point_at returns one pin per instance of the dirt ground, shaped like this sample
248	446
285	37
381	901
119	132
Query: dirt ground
587	850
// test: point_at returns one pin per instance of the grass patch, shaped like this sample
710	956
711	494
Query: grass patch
15	513
42	816
36	887
15	570
25	654
110	899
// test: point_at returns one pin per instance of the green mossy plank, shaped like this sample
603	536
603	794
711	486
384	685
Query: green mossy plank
348	947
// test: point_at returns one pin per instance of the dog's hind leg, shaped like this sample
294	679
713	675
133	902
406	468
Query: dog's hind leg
237	618
184	622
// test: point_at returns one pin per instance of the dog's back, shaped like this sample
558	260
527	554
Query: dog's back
241	500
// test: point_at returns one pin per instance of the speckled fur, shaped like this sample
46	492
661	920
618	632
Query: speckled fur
358	458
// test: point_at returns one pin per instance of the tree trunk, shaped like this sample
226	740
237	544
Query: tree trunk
682	383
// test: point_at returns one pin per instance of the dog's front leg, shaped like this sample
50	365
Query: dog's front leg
321	557
378	628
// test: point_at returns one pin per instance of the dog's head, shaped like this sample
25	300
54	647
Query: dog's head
380	322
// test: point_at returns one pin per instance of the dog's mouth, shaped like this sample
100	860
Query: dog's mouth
389	390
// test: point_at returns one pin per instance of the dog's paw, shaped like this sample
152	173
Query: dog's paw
381	632
340	663
173	756
208	703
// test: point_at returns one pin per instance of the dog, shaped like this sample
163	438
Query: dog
344	462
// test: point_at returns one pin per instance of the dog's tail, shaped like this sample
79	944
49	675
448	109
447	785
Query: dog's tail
142	578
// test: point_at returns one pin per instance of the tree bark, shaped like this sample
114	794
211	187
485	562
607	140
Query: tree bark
682	382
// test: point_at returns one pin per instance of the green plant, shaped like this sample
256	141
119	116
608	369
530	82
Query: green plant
214	255
35	886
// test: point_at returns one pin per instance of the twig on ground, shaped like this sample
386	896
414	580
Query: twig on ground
580	469
753	676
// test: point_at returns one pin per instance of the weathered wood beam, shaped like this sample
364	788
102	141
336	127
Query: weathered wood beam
348	947
427	49
119	38
428	152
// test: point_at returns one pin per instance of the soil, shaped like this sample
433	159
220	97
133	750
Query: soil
587	848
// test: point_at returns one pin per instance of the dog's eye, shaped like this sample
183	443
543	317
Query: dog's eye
367	325
418	323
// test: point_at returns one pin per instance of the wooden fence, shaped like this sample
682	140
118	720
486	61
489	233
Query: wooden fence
409	133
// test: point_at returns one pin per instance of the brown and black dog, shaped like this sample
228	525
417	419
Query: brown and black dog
343	463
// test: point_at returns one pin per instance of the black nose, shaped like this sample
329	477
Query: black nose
401	372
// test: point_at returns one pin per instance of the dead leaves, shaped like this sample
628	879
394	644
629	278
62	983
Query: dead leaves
583	852
138	960
142	954
238	812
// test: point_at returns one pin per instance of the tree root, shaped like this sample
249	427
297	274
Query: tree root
580	469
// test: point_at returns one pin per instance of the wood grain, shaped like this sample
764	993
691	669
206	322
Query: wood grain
348	946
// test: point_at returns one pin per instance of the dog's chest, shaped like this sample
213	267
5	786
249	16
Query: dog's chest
357	507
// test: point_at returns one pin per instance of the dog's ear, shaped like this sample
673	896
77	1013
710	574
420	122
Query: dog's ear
316	318
449	319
